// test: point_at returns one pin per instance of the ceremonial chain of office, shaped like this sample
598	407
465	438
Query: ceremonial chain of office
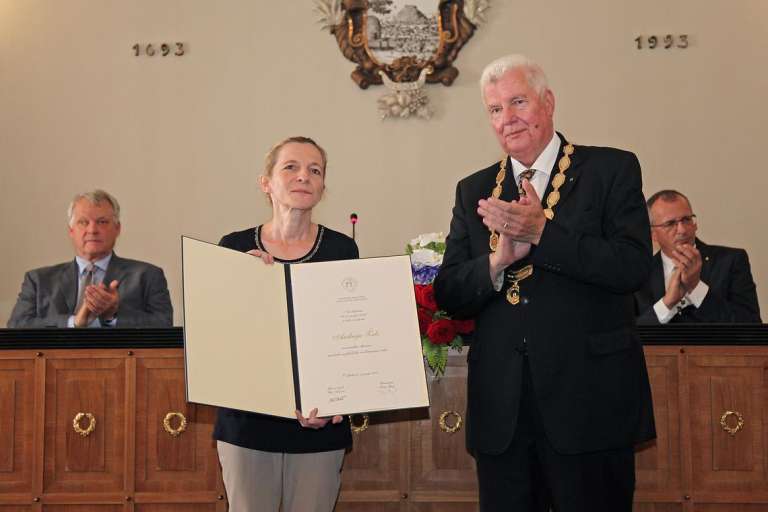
513	292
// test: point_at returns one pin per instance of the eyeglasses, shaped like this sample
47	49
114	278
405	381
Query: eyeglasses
686	221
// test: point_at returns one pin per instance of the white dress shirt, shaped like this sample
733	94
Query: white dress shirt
543	166
693	298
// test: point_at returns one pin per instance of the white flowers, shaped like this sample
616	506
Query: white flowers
426	239
426	257
427	250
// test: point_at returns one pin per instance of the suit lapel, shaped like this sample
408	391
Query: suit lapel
115	270
657	279
69	283
571	174
509	185
706	261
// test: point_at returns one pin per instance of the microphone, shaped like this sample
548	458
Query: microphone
353	221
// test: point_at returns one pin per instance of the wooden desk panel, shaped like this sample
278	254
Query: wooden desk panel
127	462
95	385
180	456
658	464
730	386
404	462
17	403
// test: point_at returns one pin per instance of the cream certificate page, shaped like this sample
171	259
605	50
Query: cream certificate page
236	332
358	346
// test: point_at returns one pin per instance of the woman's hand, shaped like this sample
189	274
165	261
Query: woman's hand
264	255
314	422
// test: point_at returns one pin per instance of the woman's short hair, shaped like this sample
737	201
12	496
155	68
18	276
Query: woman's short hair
270	160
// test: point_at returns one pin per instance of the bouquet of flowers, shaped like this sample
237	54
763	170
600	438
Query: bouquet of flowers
438	331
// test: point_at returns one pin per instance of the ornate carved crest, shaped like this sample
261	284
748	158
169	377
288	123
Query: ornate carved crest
399	39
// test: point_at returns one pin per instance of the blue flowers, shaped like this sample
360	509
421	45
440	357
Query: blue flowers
424	274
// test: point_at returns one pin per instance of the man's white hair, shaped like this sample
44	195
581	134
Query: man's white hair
533	73
94	197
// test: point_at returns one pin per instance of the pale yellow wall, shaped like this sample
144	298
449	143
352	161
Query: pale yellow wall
180	141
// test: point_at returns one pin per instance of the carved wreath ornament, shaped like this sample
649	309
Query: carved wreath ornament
402	44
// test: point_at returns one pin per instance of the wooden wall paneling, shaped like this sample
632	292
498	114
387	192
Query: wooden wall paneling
351	506
186	507
130	429
375	469
734	507
657	507
17	420
658	463
728	468
95	463
441	468
402	463
184	463
443	507
684	393
38	436
84	508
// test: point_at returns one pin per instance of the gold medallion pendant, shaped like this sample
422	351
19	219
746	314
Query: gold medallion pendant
513	292
494	241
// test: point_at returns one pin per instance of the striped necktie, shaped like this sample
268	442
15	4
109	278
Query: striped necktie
527	175
85	281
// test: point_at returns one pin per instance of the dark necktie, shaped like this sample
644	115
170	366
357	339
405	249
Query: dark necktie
527	175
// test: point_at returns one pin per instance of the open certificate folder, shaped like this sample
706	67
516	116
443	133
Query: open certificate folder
342	336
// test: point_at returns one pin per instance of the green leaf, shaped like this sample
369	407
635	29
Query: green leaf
435	355
440	314
438	247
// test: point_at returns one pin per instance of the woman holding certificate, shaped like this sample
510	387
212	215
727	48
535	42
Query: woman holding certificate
268	461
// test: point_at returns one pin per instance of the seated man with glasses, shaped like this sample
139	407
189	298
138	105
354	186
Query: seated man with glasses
692	281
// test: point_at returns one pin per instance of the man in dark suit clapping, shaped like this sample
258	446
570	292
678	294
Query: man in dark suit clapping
97	288
692	281
558	391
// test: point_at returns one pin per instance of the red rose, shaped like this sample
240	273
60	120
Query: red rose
441	332
425	296
464	326
425	318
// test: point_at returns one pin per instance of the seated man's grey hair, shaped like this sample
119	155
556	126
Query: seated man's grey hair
94	197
